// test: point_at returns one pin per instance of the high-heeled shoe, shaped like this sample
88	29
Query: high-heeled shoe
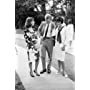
31	74
36	73
48	71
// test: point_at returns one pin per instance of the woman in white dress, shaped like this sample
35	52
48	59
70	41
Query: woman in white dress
59	49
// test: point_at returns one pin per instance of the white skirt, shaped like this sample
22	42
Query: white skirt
58	54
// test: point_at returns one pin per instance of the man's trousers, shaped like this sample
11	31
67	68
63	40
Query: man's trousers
46	45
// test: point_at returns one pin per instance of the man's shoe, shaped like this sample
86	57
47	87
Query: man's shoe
43	71
48	71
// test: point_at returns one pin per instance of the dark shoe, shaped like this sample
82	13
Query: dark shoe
31	74
48	71
36	73
43	71
63	74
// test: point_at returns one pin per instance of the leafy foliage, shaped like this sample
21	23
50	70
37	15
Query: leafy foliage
25	8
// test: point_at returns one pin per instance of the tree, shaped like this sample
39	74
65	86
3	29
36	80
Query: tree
25	8
37	9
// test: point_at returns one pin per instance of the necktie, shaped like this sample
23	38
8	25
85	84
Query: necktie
46	31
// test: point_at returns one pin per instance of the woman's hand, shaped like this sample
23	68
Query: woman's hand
63	48
70	43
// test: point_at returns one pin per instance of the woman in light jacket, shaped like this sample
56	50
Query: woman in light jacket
59	49
68	36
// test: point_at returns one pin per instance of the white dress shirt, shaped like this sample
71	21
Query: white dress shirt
49	33
45	30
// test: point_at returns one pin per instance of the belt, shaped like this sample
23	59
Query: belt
48	38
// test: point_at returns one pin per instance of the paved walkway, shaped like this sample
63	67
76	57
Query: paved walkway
69	58
45	81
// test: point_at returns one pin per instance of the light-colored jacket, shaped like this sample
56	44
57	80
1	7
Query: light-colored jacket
42	28
67	34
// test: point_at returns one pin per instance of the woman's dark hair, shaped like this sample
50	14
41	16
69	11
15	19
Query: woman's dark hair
28	22
59	19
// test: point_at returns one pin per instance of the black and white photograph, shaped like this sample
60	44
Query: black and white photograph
44	44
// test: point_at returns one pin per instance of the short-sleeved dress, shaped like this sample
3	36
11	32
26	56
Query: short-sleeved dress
32	41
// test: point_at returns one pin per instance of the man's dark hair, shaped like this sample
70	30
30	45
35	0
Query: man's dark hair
59	19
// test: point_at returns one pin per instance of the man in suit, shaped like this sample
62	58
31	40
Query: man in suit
46	30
